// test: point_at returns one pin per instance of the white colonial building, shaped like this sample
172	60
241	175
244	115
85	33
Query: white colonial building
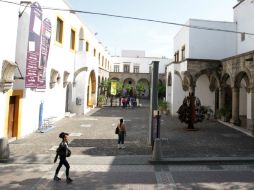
56	74
195	45
133	67
216	65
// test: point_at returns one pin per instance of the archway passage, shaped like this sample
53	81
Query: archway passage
242	84
91	90
146	93
129	86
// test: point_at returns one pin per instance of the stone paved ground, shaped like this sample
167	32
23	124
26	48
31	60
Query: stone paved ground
212	139
96	163
128	177
93	135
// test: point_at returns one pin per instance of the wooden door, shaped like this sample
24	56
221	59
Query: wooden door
11	118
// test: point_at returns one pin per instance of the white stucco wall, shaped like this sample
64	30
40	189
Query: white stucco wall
176	94
206	44
2	113
182	38
244	16
142	62
61	59
9	22
203	92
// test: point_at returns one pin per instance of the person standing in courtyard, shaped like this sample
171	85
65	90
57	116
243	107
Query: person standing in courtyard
63	151
121	134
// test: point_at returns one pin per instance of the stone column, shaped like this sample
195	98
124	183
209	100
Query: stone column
221	98
235	106
251	126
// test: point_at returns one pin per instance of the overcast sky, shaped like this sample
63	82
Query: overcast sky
156	39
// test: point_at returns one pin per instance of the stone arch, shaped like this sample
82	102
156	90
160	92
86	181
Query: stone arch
6	80
202	72
146	83
203	92
225	77
214	82
91	89
79	71
81	39
129	81
65	78
54	78
240	94
187	81
242	75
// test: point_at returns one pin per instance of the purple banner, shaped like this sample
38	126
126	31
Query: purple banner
45	45
34	46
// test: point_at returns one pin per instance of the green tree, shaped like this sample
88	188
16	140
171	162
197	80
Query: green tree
140	88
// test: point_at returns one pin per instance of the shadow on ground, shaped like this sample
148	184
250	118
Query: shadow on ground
108	147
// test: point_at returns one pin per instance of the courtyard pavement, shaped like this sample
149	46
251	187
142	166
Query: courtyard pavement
97	163
93	135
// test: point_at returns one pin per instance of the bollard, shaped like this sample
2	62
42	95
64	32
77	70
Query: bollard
4	149
157	150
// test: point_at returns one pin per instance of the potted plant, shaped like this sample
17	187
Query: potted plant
163	107
207	111
225	114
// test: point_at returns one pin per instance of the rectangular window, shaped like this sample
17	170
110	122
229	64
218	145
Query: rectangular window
183	53
87	46
59	30
73	39
102	61
99	58
136	69
177	56
106	63
242	36
116	68
94	52
126	68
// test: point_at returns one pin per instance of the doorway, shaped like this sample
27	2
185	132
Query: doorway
12	117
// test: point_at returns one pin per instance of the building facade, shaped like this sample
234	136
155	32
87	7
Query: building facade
216	65
57	66
133	67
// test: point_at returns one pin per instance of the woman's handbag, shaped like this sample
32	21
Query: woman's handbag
117	130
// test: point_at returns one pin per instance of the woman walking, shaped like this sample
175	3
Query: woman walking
122	133
63	151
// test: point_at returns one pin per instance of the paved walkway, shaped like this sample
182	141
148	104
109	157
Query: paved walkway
96	163
93	135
